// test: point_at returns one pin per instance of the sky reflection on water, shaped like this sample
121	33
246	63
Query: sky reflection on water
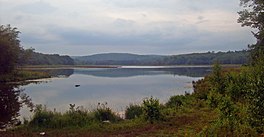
117	87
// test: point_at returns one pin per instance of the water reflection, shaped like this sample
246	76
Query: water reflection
54	72
130	72
11	100
118	87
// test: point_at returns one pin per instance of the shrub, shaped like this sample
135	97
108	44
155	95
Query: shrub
256	96
103	113
213	99
75	117
223	129
201	88
42	117
238	85
176	101
217	79
133	111
151	109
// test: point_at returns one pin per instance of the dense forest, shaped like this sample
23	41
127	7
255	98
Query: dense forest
118	59
48	59
230	57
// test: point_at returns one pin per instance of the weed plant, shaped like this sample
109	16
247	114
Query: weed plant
104	113
152	110
133	111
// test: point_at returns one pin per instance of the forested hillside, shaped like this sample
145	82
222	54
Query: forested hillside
236	57
119	59
48	59
231	57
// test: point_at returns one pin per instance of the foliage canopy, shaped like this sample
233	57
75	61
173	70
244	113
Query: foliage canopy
9	48
253	16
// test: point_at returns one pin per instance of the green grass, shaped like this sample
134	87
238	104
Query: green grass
23	75
188	119
192	118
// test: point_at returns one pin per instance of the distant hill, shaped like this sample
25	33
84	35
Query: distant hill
236	57
231	57
208	58
119	59
48	59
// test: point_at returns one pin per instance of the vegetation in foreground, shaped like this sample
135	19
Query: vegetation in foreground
147	119
225	103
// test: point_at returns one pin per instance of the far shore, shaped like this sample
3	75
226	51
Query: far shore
29	67
66	66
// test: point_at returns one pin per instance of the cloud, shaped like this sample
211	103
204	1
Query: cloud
123	23
137	26
165	37
39	7
155	34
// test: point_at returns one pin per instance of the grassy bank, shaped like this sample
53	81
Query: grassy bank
38	72
21	75
30	67
181	116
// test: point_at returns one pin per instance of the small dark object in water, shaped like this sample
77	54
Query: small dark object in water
77	85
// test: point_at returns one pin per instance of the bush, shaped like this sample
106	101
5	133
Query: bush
201	88
223	129
256	96
104	113
42	117
75	117
237	85
133	111
176	101
151	109
217	79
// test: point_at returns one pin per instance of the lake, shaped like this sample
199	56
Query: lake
119	87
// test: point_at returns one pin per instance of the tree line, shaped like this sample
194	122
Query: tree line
208	58
48	59
12	54
230	57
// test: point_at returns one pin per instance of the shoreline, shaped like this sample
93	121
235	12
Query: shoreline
30	67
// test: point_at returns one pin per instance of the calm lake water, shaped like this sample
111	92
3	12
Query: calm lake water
117	86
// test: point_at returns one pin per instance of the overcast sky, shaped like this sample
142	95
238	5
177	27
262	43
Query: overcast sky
85	27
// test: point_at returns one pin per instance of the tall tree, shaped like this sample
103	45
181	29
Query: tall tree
253	16
9	48
12	98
